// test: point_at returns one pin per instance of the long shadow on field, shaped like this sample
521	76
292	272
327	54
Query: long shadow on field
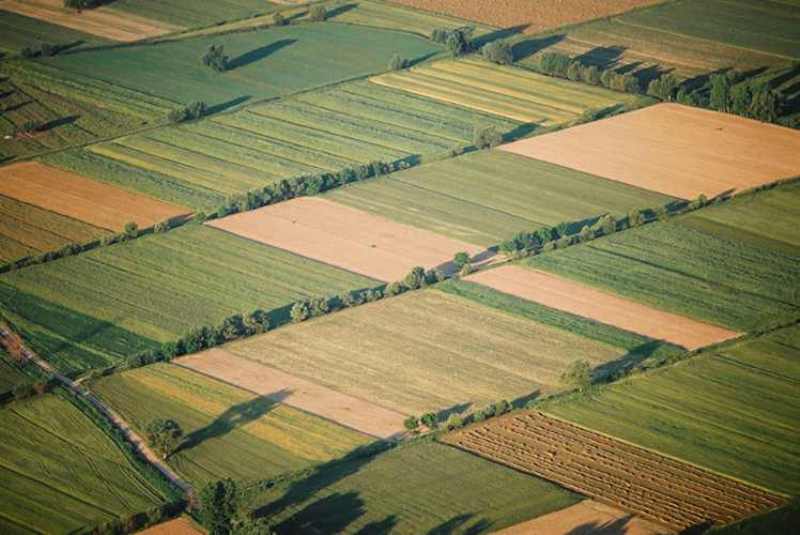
602	57
321	477
235	416
459	408
615	527
379	527
457	524
522	401
499	34
420	59
528	47
61	121
520	132
216	108
330	514
629	360
259	53
338	10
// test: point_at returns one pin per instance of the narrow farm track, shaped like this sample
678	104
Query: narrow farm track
662	489
15	347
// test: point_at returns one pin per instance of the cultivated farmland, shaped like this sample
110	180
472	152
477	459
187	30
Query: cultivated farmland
734	411
528	16
229	432
18	31
675	150
567	295
95	308
487	196
60	473
505	91
423	487
445	352
661	489
76	197
694	269
189	13
10	373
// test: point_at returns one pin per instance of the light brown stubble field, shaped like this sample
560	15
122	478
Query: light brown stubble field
575	298
673	149
96	203
345	237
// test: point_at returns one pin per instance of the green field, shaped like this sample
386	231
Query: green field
10	373
699	265
418	488
18	31
190	13
200	164
487	196
93	309
505	91
60	473
27	230
735	411
264	64
445	351
229	432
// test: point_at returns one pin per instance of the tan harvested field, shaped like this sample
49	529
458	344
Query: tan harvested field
648	484
96	203
673	149
176	526
586	518
575	298
533	15
296	392
99	21
345	237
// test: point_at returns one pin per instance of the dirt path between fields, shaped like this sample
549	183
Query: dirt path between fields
15	346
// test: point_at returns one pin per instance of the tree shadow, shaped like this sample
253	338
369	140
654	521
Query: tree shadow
379	527
259	53
648	74
698	529
216	108
455	409
628	361
420	59
235	416
520	132
618	526
457	524
17	106
61	121
330	514
504	33
602	57
338	10
522	401
528	47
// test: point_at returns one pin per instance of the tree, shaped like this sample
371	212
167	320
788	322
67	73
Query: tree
395	288
398	63
215	58
501	407
500	52
320	306
608	224
465	270
484	137
429	420
461	259
664	87
454	421
554	63
300	312
317	14
415	278
585	233
720	92
219	502
578	375
279	20
635	218
591	75
458	40
131	230
574	71
411	423
164	436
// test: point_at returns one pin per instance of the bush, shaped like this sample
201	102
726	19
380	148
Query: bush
501	407
554	63
465	270
300	312
131	230
429	420
279	20
317	14
215	58
411	423
320	306
590	75
484	137
578	375
454	421
415	278
500	52
398	63
395	288
461	259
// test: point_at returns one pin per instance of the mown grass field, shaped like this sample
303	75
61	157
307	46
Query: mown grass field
93	309
487	196
423	487
201	164
60	473
445	352
734	410
189	13
505	91
263	64
698	268
18	31
229	432
27	230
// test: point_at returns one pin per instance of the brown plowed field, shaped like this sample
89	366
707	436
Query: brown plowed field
345	237
296	392
176	526
664	490
96	203
586	518
575	298
673	149
100	21
535	15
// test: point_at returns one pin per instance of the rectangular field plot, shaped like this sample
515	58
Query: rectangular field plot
18	31
423	487
61	474
485	197
505	91
569	296
689	267
99	307
189	13
228	432
675	150
262	64
445	351
659	488
345	237
74	196
26	230
734	411
296	392
100	21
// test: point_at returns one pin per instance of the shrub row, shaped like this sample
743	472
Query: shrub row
456	421
562	66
